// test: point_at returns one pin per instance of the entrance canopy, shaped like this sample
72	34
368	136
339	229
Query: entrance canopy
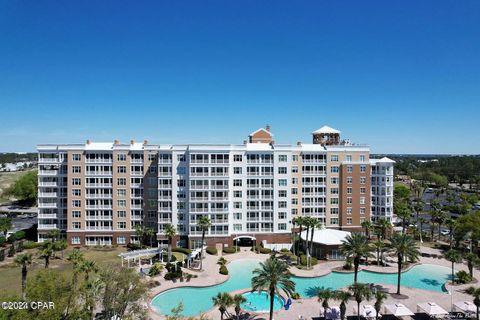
328	237
244	237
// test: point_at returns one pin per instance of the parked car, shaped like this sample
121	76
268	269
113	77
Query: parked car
445	232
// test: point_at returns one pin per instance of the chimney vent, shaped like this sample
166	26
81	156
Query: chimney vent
132	142
244	141
145	142
267	127
299	143
116	142
89	141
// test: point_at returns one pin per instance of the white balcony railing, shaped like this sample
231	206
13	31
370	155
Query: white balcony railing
47	226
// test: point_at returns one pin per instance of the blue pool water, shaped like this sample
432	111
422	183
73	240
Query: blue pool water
260	302
198	300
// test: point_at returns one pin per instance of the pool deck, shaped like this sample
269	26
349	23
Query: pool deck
309	308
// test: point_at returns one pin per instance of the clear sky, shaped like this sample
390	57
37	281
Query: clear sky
402	76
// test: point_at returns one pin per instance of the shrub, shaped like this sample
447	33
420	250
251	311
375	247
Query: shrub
19	235
265	250
348	264
2	241
223	270
212	251
182	250
285	250
133	246
11	251
2	254
303	260
170	267
221	261
463	277
295	296
172	275
31	244
19	247
155	269
229	250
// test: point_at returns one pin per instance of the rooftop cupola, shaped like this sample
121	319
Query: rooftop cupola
326	136
262	135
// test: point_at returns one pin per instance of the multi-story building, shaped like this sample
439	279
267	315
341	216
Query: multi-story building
99	192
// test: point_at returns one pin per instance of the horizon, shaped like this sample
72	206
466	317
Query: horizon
400	77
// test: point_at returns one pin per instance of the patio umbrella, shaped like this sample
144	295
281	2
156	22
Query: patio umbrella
368	311
398	310
333	313
465	306
432	309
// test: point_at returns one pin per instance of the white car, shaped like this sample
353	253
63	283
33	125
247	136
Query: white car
445	232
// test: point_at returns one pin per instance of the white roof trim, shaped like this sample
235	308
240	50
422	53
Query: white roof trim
326	129
261	129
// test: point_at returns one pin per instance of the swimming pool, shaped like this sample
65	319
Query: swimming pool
260	302
198	300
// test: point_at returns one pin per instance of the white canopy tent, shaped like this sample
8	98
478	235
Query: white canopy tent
398	310
329	237
432	309
465	307
368	311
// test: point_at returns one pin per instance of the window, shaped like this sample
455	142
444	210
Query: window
333	200
362	158
237	170
363	190
282	215
294	180
76	192
237	183
349	180
76	181
362	180
362	211
334	211
76	214
294	190
334	191
75	240
121	157
282	226
362	200
348	158
180	157
295	157
122	225
282	204
237	194
181	170
76	225
334	180
333	220
76	156
282	193
76	169
152	169
121	240
349	200
237	215
349	210
121	169
282	182
122	214
334	157
237	227
152	157
121	192
294	201
282	170
282	158
121	181
76	203
349	169
349	220
295	169
121	203
237	205
334	169
349	190
363	168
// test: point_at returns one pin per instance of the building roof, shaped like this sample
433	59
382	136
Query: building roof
382	160
326	129
326	236
259	130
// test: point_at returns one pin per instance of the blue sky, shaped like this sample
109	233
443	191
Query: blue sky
402	76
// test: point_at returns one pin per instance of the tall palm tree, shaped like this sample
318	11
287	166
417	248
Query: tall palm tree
237	300
403	212
368	226
170	232
435	212
46	251
294	234
222	300
343	297
379	299
53	235
272	276
24	260
361	292
92	291
418	207
323	296
383	226
307	222
204	223
355	246
454	256
475	293
149	233
451	224
403	246
314	224
75	257
421	221
300	222
472	260
379	245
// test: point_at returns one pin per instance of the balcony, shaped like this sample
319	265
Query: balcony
48	184
199	161
98	217
98	185
199	174
47	216
47	205
215	161
98	196
98	173
48	160
164	209
98	160
219	220
47	195
90	228
47	226
99	206
164	220
219	210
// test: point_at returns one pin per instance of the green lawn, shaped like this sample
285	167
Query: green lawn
10	274
6	180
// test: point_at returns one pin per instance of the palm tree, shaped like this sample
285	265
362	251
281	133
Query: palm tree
76	258
421	221
451	224
170	232
403	212
294	222
475	293
53	235
368	226
379	245
204	223
418	207
343	297
314	224
383	226
140	233
307	222
149	233
360	291
453	256
238	299
88	266
5	225
272	276
91	292
403	246
222	300
472	260
46	251
24	260
323	296
355	246
300	222
379	299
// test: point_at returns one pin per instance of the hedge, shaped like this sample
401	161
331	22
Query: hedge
229	250
212	250
223	270
303	260
181	250
31	244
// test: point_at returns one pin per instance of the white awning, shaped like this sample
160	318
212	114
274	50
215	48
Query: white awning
465	306
245	237
431	308
329	237
398	310
368	311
